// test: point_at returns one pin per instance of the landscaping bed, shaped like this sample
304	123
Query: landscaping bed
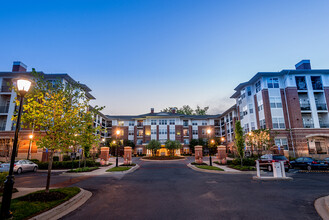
83	169
35	203
121	168
206	167
67	164
242	168
14	191
163	158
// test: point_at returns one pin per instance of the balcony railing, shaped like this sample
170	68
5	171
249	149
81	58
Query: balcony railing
5	89
217	124
4	109
321	106
305	106
323	125
308	125
139	124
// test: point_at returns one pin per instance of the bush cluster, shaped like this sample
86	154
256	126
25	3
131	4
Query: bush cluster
67	164
3	176
245	161
242	168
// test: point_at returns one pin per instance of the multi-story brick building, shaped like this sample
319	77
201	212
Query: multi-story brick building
293	103
7	109
165	126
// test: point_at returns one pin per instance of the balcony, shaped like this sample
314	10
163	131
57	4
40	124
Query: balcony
185	124
324	125
4	109
321	106
139	124
217	124
305	107
2	128
308	125
5	88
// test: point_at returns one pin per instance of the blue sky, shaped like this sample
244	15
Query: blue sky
135	55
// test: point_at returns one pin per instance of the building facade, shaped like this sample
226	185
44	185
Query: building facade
293	104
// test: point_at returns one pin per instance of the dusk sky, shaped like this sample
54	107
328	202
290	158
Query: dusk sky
135	55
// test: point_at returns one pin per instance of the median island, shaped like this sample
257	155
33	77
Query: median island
121	168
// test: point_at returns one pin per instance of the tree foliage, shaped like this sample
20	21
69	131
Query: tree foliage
187	110
172	146
239	140
154	145
259	140
195	142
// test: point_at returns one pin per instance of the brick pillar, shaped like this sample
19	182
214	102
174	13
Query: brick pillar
221	154
198	154
127	155
104	153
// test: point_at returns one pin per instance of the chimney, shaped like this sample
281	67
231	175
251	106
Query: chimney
173	110
152	110
18	66
303	65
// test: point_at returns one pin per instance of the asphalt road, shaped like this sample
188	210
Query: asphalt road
171	190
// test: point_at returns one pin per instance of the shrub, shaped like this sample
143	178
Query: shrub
2	179
66	158
56	158
34	160
194	163
246	162
68	164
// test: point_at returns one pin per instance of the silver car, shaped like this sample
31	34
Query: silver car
20	166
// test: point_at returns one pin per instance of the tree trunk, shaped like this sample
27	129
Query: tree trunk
50	164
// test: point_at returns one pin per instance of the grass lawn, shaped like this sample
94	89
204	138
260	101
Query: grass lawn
243	168
206	167
83	169
119	169
23	207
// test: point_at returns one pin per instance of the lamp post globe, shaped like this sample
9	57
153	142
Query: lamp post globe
23	87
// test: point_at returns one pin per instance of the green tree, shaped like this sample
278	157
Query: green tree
53	109
195	142
201	111
172	146
129	143
187	110
154	145
239	140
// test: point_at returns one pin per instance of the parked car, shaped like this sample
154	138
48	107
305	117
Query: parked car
326	160
309	163
20	166
266	161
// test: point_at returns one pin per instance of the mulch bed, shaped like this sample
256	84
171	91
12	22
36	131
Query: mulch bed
163	158
43	197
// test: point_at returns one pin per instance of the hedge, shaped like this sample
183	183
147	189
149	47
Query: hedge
246	162
67	164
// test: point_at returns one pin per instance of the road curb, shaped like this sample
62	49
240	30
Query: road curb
213	171
163	160
66	207
271	178
322	207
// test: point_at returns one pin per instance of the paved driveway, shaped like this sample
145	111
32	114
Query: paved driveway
170	190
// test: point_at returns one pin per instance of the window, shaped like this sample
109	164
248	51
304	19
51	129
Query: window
253	126
153	122
194	123
153	131
249	91
162	122
185	123
195	132
246	128
121	123
186	132
245	110
275	102
139	141
316	82
203	131
186	141
172	121
172	131
281	142
278	123
260	105
243	93
258	86
301	83
204	123
131	132
251	110
262	124
139	133
273	83
162	131
131	123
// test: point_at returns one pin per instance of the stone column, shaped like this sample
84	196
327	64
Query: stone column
104	153
221	154
198	154
127	155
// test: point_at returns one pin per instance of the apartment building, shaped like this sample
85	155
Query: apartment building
293	103
7	109
165	126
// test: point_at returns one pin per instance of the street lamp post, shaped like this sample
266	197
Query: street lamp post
210	160
117	158
23	87
29	151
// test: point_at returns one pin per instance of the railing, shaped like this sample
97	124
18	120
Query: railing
5	88
308	125
217	124
321	106
323	125
4	109
139	124
305	106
